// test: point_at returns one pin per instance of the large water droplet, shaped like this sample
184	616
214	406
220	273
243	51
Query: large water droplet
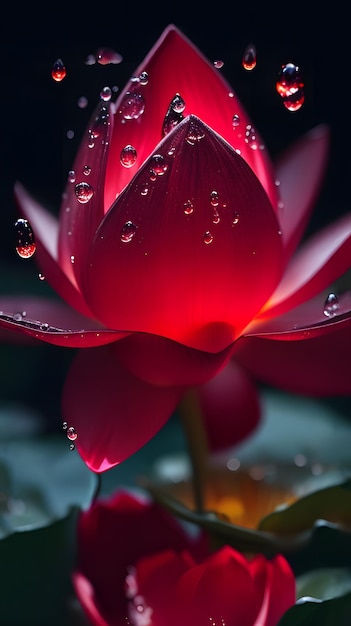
25	240
128	231
174	114
331	305
106	94
132	105
104	56
195	134
290	86
128	156
158	165
249	57
71	433
58	71
84	192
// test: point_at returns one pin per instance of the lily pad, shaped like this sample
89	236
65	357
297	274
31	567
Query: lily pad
311	611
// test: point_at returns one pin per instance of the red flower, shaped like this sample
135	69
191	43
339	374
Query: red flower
188	258
136	562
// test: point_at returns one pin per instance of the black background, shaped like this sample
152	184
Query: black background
36	112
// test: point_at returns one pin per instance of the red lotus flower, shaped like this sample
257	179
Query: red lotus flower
136	563
184	260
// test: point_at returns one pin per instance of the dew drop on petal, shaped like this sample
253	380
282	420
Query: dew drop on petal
158	164
188	207
25	241
132	105
251	137
128	231
235	120
84	192
58	71
71	433
71	176
106	94
214	198
174	114
235	218
331	305
86	170
207	237
128	156
249	57
104	56
143	78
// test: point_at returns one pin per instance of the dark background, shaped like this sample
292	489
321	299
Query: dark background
36	113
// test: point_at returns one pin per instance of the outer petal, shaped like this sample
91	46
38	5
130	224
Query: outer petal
83	202
86	594
113	412
300	352
319	262
300	173
166	279
230	407
45	227
281	590
175	65
50	321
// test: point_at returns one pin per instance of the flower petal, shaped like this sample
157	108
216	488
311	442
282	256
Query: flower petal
300	352
86	594
300	172
187	275
230	407
281	588
319	262
175	66
45	227
50	321
83	205
115	413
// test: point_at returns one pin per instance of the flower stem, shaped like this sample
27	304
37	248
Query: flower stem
196	439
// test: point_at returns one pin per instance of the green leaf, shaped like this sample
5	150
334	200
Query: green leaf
324	583
309	612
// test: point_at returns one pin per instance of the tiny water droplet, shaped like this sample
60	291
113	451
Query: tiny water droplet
128	156
70	134
128	231
188	207
41	276
249	58
143	78
331	305
58	71
86	170
84	192
106	94
104	56
158	165
235	219
214	198
71	433
132	105
174	114
25	241
71	176
64	425
218	64
72	446
235	120
207	237
251	138
145	190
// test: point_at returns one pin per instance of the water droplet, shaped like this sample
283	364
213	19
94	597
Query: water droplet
86	170
188	207
100	120
235	219
128	156
145	190
290	86
144	78
216	217
235	120
64	425
251	138
72	258
218	64
84	192
128	231
331	305
18	317
71	176
72	446
132	105
71	433
214	198
106	94
249	57
195	134
104	56
41	276
158	165
58	71
207	237
25	241
82	102
174	114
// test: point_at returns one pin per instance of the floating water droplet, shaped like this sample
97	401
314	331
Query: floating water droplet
132	105
158	165
72	446
104	56
188	207
214	198
71	176
128	231
71	433
106	94
249	57
41	276
82	102
174	114
84	192
218	64
290	86
58	71
128	156
235	120
207	237
86	170
25	241
331	305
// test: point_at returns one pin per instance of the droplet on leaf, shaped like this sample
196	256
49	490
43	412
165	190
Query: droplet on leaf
25	241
